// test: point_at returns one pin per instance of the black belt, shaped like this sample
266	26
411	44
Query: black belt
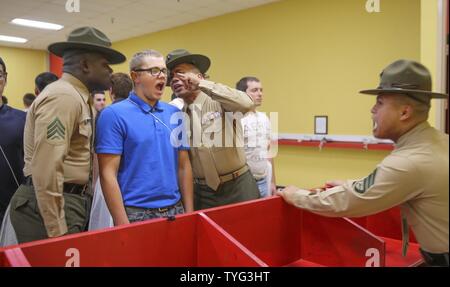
435	259
71	188
160	209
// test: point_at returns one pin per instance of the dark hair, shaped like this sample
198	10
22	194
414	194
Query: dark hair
242	84
28	99
3	64
43	79
94	92
4	100
121	85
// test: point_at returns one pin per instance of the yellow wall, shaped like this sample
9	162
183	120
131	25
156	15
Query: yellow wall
23	65
428	45
313	57
309	167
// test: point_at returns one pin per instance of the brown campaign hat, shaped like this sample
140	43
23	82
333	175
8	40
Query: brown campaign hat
89	39
181	56
406	77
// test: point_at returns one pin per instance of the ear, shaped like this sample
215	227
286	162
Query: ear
134	76
406	112
84	64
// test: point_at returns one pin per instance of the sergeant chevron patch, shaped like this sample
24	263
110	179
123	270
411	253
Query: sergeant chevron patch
363	185
56	130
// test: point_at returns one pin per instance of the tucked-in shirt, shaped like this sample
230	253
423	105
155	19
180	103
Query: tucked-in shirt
414	176
12	124
212	132
148	140
57	145
256	126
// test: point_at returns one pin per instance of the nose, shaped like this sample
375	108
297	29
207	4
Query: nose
162	75
173	80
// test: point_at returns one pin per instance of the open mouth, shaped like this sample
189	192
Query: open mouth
177	86
160	86
375	125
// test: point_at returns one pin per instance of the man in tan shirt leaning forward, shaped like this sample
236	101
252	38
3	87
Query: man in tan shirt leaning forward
414	176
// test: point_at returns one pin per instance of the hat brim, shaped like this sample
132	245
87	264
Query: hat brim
113	56
420	93
200	61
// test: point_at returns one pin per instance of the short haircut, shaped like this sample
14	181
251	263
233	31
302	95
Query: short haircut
421	107
138	58
43	79
28	99
121	85
242	85
97	92
3	64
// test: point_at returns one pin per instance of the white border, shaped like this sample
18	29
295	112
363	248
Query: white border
441	68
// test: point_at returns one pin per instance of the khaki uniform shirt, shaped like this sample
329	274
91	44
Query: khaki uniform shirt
212	150
57	145
415	176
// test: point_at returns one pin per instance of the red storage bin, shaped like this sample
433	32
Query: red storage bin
3	261
260	233
282	235
189	240
12	257
387	225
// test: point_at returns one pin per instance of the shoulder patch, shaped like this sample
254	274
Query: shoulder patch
361	186
56	130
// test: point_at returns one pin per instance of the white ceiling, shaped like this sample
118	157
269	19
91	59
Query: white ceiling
118	19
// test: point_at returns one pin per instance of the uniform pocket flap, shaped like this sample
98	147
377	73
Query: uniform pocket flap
20	202
84	128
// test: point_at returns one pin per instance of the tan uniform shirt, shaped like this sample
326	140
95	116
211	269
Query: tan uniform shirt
415	176
57	145
212	151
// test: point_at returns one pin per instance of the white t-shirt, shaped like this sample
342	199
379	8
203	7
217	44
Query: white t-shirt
257	137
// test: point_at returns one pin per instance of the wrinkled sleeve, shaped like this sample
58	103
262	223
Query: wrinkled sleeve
231	100
391	184
56	118
109	134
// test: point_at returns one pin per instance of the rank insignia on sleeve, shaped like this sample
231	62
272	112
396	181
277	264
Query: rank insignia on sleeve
56	130
361	186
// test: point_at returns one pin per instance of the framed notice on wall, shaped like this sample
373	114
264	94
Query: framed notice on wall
320	125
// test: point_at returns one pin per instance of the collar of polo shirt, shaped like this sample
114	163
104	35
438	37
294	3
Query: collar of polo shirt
143	105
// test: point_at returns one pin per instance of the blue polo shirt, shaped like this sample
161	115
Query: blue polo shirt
141	134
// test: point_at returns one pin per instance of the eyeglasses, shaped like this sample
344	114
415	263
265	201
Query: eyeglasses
154	71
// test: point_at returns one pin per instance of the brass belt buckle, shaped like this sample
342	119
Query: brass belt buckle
72	188
83	191
165	209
